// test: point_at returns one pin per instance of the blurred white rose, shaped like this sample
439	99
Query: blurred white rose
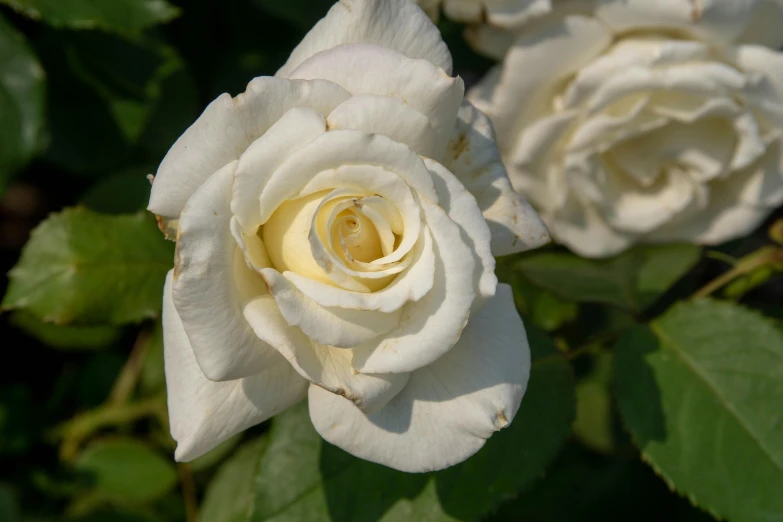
336	226
633	121
500	13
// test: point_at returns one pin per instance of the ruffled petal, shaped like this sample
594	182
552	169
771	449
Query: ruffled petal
370	69
226	128
204	413
721	21
324	366
392	117
296	128
430	327
447	410
340	327
397	24
211	283
473	157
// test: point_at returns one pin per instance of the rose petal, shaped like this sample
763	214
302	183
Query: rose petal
396	24
341	327
411	285
291	132
389	116
529	73
324	366
473	157
226	128
203	413
461	207
431	326
211	281
370	69
447	410
721	21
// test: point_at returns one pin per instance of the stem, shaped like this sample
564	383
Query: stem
744	266
188	492
129	376
82	426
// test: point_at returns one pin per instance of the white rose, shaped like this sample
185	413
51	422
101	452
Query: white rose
336	231
500	13
633	121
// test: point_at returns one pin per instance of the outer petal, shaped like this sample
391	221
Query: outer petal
473	157
324	366
204	413
211	281
375	114
226	128
581	228
431	326
721	21
370	69
396	24
462	208
448	409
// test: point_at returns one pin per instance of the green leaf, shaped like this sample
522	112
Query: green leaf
9	512
66	337
135	93
22	94
16	420
127	470
229	496
583	486
632	280
114	15
81	266
701	391
302	478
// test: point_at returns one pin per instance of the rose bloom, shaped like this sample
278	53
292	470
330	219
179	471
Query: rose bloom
639	121
336	226
500	13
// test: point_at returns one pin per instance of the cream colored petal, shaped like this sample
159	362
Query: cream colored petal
369	69
473	157
448	409
392	117
286	137
340	327
525	90
461	207
396	24
203	413
338	148
211	283
429	327
410	286
324	366
226	129
721	21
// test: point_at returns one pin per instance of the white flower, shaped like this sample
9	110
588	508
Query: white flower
336	231
500	13
638	121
